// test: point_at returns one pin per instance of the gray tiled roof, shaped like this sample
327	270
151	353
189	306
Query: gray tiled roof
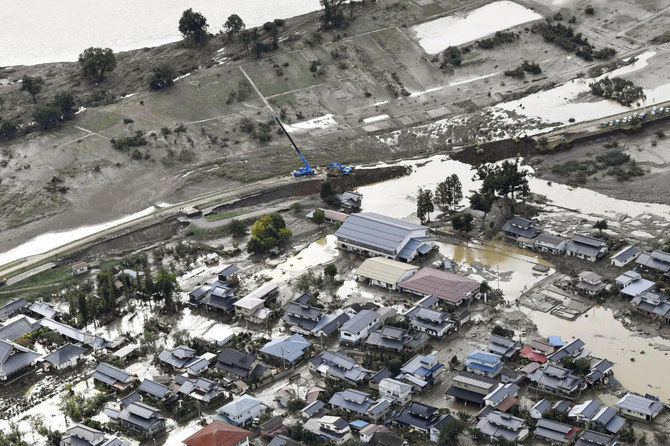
17	328
377	231
12	306
639	404
153	388
65	354
362	320
13	357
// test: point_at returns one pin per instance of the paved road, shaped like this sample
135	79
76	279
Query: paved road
32	272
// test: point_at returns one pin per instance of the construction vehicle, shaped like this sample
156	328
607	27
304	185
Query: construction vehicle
338	169
303	171
479	148
520	136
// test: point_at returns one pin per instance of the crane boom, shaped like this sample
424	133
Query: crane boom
307	166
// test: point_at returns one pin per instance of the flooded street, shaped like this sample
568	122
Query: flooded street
317	253
606	337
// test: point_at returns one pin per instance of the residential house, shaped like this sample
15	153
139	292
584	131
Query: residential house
359	326
252	307
633	284
520	227
384	272
239	364
154	389
583	412
82	435
375	235
624	256
12	307
482	363
142	418
66	356
554	432
132	398
369	431
218	298
386	439
655	260
590	283
536	351
421	418
315	409
557	380
395	391
360	403
329	428
337	365
286	349
471	389
593	438
43	309
15	360
395	339
219	433
422	371
608	419
241	411
639	407
497	424
80	336
283	440
653	304
349	201
503	397
538	409
553	244
183	358
272	427
329	215
17	327
301	316
562	407
503	346
574	349
114	377
79	268
601	370
228	273
203	390
430	321
450	288
586	248
378	377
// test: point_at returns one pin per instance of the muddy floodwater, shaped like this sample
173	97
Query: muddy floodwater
606	337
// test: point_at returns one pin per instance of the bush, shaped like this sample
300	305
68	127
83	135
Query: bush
125	142
462	222
47	117
8	130
451	57
516	73
624	91
531	67
162	77
318	217
497	39
589	10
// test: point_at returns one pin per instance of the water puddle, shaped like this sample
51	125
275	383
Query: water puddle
606	337
317	253
436	35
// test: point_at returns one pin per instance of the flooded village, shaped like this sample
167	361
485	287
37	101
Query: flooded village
481	256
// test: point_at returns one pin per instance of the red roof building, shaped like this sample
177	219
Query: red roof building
530	355
449	287
219	433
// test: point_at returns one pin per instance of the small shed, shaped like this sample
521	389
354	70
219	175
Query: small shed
79	268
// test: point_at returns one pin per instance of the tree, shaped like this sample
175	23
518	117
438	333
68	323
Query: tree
193	26
162	77
442	198
451	193
64	101
394	365
319	216
82	307
95	62
424	205
47	117
462	222
326	191
166	283
33	85
503	182
8	130
236	228
449	433
313	67
481	202
451	56
330	271
233	25
333	17
267	232
600	225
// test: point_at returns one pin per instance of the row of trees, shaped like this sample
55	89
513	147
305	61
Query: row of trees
502	184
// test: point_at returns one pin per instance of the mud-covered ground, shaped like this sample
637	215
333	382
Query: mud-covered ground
372	68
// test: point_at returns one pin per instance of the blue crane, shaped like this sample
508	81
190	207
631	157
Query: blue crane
303	171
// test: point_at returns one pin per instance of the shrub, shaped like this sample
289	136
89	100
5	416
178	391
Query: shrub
125	142
451	56
162	77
